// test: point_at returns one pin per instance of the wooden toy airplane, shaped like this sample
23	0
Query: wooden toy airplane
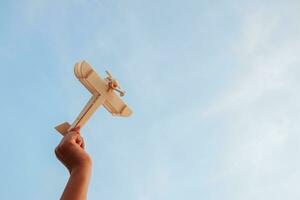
102	94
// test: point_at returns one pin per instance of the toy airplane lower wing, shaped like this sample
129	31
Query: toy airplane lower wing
103	93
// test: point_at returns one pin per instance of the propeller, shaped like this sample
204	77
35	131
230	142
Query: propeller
113	84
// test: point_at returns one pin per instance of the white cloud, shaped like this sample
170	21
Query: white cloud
261	109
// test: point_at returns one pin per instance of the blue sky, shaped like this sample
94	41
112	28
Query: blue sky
213	86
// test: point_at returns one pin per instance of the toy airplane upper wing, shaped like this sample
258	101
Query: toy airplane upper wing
103	92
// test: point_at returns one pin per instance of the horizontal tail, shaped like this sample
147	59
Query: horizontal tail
63	128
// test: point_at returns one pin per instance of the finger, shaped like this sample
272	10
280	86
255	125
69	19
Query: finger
79	141
70	136
58	155
82	144
76	129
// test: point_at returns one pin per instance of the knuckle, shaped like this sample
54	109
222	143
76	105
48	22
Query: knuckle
65	145
56	151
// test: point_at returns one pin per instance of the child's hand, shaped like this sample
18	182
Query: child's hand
71	153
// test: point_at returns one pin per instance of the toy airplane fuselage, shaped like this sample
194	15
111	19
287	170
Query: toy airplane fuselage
102	94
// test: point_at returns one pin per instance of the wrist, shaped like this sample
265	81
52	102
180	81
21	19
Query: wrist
84	169
78	182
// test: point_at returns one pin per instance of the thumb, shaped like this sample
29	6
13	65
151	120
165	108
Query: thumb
76	129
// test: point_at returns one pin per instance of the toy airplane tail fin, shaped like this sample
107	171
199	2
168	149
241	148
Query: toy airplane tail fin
63	128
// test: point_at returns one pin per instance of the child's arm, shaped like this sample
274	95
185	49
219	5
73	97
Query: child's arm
71	153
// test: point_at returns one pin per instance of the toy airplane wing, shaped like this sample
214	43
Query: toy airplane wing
103	92
116	106
97	86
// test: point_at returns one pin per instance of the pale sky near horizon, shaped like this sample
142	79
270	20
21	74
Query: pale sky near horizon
214	86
